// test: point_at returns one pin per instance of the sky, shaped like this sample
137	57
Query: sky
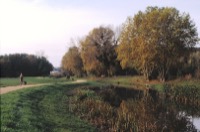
45	27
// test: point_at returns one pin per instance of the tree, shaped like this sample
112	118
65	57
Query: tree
154	39
43	66
194	62
72	61
135	49
12	65
98	52
177	34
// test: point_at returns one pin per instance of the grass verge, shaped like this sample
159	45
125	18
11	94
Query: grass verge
140	83
40	109
30	80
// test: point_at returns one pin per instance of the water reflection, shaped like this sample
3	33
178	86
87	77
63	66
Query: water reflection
122	109
155	112
165	117
171	119
190	113
196	122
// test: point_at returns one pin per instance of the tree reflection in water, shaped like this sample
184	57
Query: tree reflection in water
121	109
170	118
154	112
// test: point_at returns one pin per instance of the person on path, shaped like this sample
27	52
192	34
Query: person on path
21	78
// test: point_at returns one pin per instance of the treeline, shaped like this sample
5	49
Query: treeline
95	56
30	65
157	43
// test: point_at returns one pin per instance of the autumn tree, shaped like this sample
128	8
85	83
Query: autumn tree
72	61
98	52
154	39
135	49
176	35
194	63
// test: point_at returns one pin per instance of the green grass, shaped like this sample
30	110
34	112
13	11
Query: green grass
30	80
40	109
158	87
47	108
124	81
195	82
140	83
177	83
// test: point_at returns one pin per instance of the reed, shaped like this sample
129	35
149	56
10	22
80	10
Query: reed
183	94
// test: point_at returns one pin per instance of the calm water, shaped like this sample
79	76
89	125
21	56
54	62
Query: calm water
196	122
172	116
166	114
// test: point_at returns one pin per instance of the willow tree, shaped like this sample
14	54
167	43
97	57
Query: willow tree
155	39
72	61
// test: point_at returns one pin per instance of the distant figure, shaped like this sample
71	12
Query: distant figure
21	78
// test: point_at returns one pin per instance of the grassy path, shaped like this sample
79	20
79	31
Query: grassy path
42	109
4	82
14	88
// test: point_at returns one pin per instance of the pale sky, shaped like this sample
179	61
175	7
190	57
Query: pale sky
32	26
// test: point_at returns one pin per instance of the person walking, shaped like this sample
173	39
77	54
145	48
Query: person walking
21	79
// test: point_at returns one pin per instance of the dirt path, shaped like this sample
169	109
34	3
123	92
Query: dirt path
80	81
14	88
